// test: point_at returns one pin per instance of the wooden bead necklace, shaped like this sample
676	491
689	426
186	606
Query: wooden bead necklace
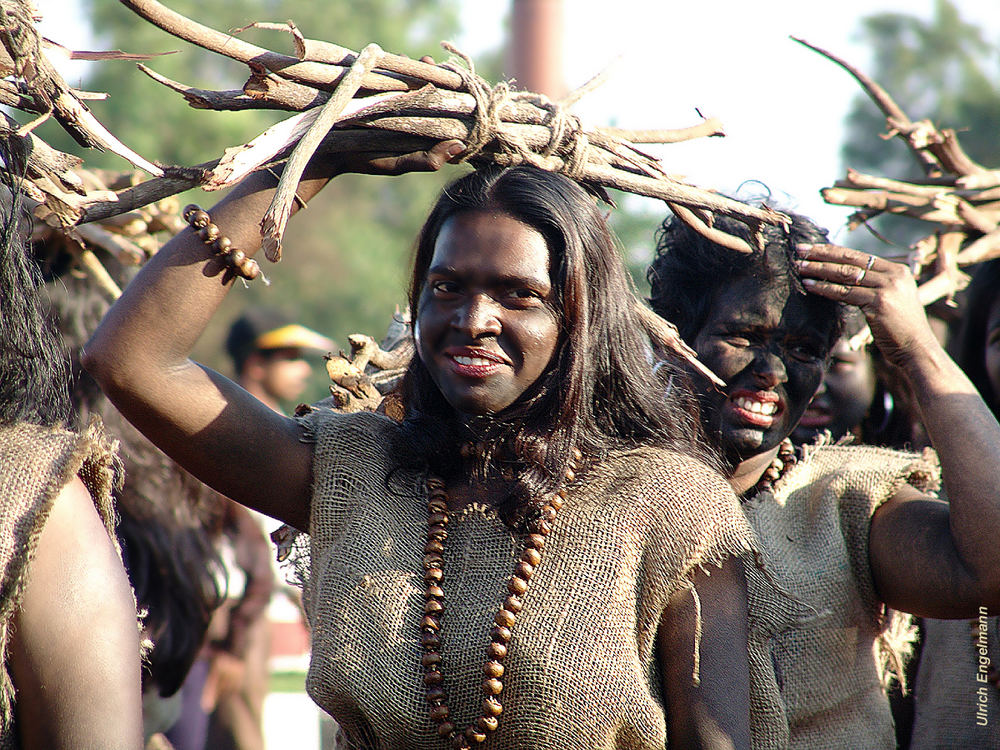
222	246
504	620
785	459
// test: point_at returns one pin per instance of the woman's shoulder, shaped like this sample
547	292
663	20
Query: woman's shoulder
848	466
321	422
663	468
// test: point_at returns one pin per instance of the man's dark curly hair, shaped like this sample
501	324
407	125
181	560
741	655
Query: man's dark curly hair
689	270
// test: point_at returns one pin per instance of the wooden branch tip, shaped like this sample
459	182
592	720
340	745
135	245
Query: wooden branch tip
277	214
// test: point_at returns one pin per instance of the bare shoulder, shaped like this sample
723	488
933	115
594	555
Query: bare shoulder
74	548
73	512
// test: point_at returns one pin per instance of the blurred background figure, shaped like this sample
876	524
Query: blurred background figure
223	697
269	353
860	396
224	700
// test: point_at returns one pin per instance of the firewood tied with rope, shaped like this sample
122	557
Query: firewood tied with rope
378	101
958	195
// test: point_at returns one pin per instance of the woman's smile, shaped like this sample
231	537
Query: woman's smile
759	408
473	362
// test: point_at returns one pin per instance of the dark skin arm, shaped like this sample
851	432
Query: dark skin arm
930	558
74	651
715	713
140	354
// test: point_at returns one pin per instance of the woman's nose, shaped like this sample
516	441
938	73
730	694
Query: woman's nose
479	317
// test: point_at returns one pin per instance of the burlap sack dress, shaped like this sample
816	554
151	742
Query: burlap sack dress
829	669
35	464
582	668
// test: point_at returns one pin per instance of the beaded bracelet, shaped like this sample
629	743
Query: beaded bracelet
236	260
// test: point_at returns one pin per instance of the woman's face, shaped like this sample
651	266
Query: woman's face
487	327
844	396
767	346
992	352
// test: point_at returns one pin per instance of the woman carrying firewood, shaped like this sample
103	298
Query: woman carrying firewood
849	531
523	560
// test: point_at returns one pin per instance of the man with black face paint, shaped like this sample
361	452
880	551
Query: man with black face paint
849	531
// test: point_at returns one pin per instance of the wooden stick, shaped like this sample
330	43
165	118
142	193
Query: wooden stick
314	50
664	333
883	101
710	128
277	214
724	239
100	274
985	248
320	75
856	179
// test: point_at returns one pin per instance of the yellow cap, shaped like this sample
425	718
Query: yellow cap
293	336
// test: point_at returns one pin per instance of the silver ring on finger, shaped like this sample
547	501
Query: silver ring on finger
871	262
861	276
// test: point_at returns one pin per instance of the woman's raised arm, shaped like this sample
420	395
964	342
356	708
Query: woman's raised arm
927	557
208	424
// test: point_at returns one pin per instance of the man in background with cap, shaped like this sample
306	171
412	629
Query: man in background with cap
269	352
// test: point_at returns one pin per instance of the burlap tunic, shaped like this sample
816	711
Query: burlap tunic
829	669
35	464
582	668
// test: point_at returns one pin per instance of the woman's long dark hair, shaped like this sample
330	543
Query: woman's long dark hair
969	345
601	392
34	365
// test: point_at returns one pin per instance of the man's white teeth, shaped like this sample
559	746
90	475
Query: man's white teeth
473	361
757	407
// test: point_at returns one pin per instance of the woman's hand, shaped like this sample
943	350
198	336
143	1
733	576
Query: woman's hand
885	291
390	164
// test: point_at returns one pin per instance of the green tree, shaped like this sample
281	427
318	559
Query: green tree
942	69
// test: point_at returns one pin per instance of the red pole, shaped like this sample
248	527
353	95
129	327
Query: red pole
536	47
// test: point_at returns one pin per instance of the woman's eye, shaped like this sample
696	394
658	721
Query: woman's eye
525	294
444	287
524	297
737	340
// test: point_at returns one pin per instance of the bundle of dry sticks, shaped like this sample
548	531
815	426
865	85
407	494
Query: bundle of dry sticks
372	100
957	196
